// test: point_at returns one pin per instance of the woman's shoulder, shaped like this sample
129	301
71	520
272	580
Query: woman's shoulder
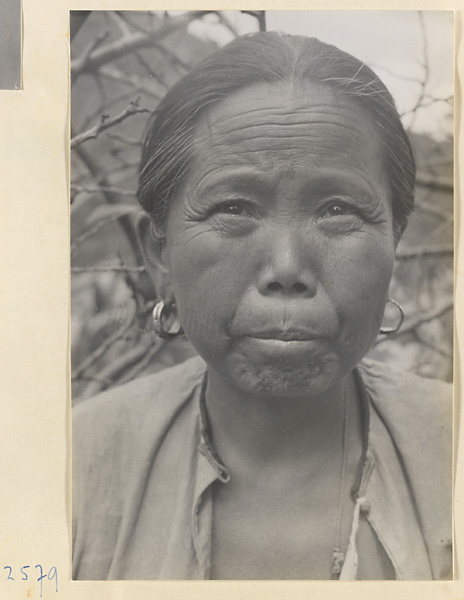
417	415
152	399
405	395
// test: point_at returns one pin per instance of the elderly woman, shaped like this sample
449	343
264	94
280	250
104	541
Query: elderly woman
278	180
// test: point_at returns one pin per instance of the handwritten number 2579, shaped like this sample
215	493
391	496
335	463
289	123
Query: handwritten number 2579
52	574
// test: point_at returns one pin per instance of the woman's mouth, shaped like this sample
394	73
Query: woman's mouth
288	344
285	335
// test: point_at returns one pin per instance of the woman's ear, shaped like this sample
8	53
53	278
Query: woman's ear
153	254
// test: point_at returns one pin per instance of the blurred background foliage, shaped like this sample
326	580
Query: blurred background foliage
122	64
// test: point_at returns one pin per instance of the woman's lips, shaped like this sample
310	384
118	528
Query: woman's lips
289	344
284	345
285	335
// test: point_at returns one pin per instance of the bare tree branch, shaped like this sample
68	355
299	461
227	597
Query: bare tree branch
125	140
79	189
260	16
137	26
419	252
422	340
428	100
96	228
98	352
113	370
76	21
171	56
131	80
120	22
436	161
426	68
106	123
94	58
148	68
427	207
86	54
95	115
408	78
224	21
96	170
146	360
436	184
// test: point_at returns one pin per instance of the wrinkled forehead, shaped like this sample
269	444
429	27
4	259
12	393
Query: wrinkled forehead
285	127
284	105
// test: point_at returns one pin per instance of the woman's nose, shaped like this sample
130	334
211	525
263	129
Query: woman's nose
287	267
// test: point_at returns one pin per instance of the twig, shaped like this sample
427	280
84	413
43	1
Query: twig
436	161
408	78
260	16
80	189
76	20
435	184
96	169
127	165
138	368
130	284
103	347
112	101
108	269
224	21
106	123
96	228
125	140
425	65
421	251
137	26
425	102
101	92
130	80
120	22
118	366
96	377
427	207
150	71
173	58
427	344
432	99
80	62
92	60
192	15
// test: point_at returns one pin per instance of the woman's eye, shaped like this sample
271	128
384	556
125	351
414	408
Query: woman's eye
232	208
339	209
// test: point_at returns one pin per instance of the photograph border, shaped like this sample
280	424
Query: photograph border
35	336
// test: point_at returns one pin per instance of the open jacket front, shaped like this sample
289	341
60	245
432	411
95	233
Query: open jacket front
143	472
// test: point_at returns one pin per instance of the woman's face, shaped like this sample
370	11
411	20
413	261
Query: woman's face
280	244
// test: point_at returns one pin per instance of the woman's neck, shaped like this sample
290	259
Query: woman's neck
259	433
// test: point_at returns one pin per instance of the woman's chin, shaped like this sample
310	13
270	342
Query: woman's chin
287	379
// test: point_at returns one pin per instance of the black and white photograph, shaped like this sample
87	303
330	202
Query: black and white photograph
262	294
10	44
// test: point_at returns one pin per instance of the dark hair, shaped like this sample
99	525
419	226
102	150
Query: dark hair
267	57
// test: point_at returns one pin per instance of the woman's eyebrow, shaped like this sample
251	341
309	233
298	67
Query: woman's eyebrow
319	182
342	182
237	180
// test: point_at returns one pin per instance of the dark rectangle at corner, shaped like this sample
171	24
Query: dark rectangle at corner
10	44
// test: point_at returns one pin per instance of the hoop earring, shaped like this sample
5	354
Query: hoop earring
164	311
390	330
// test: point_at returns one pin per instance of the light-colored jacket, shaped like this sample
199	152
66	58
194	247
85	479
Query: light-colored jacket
143	471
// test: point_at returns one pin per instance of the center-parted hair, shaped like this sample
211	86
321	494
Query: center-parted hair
267	57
